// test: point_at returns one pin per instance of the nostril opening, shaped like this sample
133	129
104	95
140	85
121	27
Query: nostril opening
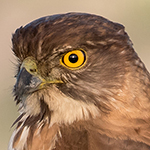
33	70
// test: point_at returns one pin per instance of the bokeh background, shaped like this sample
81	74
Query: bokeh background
133	14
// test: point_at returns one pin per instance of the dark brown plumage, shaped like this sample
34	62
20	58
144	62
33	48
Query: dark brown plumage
80	86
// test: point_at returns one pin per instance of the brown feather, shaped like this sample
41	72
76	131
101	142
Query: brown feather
103	105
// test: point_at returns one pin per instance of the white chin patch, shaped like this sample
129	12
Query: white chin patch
67	110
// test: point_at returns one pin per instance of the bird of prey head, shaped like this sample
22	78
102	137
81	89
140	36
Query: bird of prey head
79	86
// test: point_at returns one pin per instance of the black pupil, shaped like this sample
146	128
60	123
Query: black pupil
73	58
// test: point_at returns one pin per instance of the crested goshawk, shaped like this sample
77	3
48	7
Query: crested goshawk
80	86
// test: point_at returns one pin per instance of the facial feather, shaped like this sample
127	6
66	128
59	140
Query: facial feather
108	95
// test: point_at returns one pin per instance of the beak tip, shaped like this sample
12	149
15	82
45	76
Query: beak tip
26	82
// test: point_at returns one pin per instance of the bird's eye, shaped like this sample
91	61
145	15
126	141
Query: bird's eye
74	59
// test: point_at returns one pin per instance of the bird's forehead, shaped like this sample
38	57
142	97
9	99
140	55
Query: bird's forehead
48	34
72	24
74	19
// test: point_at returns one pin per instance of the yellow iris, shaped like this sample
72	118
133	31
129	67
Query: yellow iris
74	59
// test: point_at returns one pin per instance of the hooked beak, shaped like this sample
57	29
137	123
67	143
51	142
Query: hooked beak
26	83
29	79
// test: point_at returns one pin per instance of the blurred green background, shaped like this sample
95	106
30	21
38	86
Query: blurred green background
133	14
